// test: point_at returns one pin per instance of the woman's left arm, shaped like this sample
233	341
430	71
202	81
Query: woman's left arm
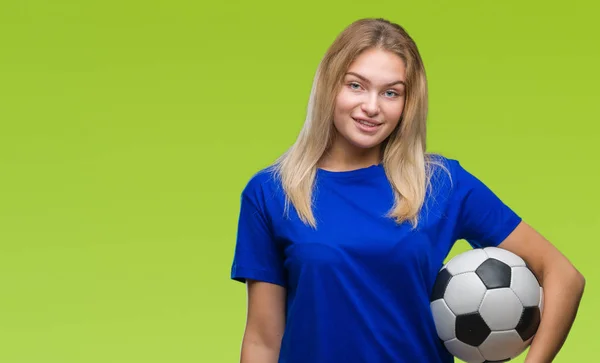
562	284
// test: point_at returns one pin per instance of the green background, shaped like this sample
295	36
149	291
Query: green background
129	128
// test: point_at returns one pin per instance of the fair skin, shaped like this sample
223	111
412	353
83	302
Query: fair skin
563	288
370	92
265	322
373	89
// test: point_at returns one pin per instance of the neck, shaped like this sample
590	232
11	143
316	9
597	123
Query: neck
346	157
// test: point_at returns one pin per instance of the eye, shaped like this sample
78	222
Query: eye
352	84
393	93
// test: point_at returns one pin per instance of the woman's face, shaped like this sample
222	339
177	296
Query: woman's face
371	100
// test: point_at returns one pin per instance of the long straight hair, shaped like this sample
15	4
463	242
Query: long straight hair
406	163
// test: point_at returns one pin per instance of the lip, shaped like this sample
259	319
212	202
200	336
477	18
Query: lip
377	123
365	128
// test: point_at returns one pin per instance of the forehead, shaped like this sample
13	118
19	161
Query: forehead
379	66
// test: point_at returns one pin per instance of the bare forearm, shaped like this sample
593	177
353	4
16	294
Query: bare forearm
255	352
562	294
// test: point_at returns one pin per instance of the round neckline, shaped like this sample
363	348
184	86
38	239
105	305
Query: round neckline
364	171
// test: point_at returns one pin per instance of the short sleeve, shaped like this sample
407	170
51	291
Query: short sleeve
483	219
256	255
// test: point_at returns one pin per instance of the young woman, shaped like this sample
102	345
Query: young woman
341	239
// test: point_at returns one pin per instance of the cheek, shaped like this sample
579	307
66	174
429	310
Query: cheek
394	112
344	103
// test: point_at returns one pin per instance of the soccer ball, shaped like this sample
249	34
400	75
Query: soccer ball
486	305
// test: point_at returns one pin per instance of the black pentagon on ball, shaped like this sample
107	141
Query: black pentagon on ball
439	287
529	322
471	329
494	274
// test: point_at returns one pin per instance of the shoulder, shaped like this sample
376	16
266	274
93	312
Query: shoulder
441	170
263	178
448	178
262	187
448	170
461	185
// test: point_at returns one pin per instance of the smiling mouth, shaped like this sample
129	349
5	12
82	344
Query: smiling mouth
366	123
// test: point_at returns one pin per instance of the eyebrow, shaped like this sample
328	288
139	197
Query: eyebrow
366	80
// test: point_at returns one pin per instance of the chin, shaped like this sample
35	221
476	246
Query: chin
360	140
361	143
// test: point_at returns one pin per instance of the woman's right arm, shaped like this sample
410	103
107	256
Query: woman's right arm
265	322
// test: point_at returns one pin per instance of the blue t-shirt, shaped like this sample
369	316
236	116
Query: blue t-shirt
358	286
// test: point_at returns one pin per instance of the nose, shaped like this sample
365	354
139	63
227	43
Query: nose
370	106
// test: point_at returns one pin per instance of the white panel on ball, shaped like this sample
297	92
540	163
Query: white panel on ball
466	261
464	293
464	351
501	345
501	309
505	256
444	320
526	286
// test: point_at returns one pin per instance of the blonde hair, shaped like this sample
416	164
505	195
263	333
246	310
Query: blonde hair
407	165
